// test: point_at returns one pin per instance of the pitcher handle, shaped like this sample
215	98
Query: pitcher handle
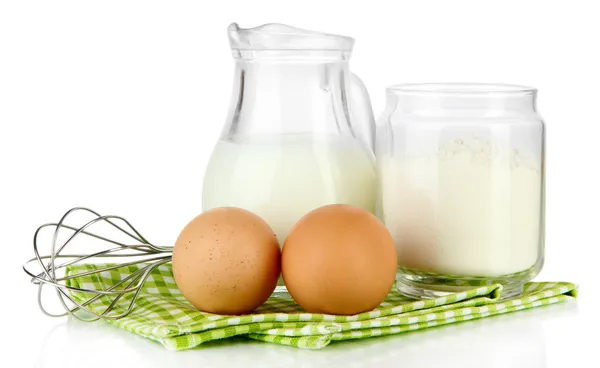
361	111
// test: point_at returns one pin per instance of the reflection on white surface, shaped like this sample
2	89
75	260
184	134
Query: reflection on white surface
515	340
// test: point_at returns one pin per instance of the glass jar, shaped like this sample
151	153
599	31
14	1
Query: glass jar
461	186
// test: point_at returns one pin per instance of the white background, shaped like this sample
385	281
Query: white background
115	105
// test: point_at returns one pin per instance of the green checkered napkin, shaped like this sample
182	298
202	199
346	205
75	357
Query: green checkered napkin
162	314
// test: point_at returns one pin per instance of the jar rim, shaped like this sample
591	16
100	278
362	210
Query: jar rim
461	88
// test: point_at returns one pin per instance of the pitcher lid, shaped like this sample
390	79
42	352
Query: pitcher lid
276	36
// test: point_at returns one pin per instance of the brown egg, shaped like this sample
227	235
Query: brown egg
339	259
227	261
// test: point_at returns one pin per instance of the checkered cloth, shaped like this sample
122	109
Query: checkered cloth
162	314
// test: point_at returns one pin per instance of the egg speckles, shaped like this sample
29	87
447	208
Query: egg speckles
227	261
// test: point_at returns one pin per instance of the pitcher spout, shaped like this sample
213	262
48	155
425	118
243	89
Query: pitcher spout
278	37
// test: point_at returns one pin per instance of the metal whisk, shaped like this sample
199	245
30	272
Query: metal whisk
136	250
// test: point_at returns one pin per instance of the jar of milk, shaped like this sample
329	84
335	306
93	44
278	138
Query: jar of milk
461	185
300	130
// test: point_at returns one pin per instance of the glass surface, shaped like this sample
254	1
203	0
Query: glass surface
461	185
300	129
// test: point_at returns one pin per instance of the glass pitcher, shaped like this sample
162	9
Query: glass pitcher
300	129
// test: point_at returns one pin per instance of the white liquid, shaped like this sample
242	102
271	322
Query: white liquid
470	210
284	177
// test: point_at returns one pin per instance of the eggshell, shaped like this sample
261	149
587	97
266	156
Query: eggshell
339	259
227	261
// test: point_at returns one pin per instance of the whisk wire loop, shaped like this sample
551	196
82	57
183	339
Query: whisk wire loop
145	256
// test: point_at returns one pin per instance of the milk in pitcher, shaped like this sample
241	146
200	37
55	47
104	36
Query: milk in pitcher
281	178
